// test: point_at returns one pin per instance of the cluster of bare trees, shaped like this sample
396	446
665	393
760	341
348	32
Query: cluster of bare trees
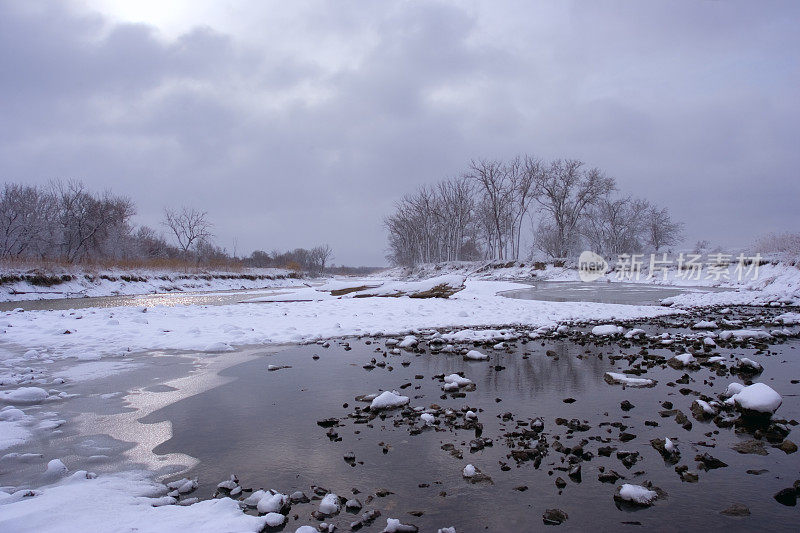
482	214
435	224
63	221
315	260
67	222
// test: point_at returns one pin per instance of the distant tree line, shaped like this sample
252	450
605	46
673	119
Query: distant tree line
66	222
483	214
315	260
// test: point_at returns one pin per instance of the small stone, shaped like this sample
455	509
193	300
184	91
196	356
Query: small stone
609	477
788	446
752	446
707	462
786	497
554	517
737	509
625	405
560	483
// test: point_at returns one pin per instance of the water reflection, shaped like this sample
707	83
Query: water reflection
142	300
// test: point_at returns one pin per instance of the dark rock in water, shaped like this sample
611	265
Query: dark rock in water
788	446
757	472
560	483
298	497
625	437
699	413
609	477
554	517
625	405
606	451
685	475
683	420
750	446
672	455
476	445
575	473
577	425
737	509
353	505
365	520
707	462
328	422
521	488
628	458
569	400
786	497
725	421
775	432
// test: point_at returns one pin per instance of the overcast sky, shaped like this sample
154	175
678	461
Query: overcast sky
297	123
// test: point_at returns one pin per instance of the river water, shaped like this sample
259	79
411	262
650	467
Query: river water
262	426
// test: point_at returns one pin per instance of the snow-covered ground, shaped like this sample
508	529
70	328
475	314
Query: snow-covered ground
101	332
77	282
41	351
770	282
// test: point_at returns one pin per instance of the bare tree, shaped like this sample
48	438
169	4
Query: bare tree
86	220
660	228
27	216
614	226
189	226
565	190
523	188
507	192
320	256
434	224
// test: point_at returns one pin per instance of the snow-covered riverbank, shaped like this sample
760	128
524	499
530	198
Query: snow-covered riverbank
79	282
777	283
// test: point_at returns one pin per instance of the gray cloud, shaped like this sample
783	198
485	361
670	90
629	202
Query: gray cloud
307	131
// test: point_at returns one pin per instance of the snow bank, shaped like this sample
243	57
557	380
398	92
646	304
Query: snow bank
127	505
108	282
776	284
24	395
449	283
198	327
